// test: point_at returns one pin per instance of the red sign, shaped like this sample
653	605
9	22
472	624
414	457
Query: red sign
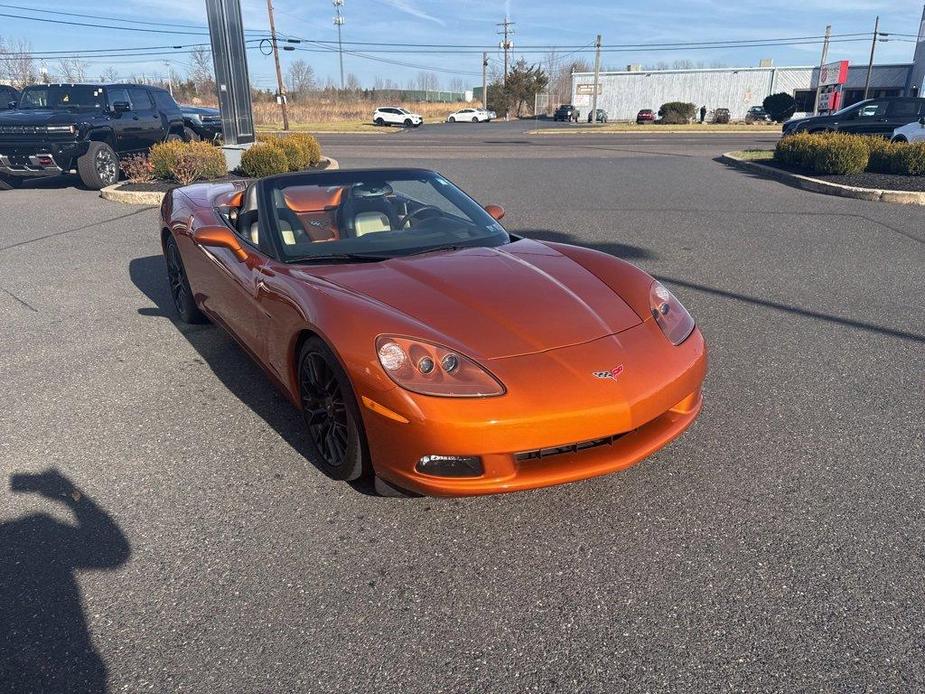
833	73
830	100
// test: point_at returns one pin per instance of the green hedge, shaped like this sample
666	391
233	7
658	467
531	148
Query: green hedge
309	151
199	159
908	159
264	159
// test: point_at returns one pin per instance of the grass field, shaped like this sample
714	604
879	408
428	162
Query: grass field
754	154
704	129
343	116
327	127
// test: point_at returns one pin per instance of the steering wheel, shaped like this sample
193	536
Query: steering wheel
415	213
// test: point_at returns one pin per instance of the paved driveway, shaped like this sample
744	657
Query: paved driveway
778	545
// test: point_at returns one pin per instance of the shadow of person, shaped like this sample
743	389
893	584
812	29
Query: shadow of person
44	642
233	367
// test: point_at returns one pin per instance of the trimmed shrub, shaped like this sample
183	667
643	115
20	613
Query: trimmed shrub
676	112
841	155
909	159
208	161
295	153
264	159
798	150
137	168
308	144
780	106
882	153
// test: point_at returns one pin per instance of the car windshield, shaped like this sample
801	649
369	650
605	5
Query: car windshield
359	215
78	98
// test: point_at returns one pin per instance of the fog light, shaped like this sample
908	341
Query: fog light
450	465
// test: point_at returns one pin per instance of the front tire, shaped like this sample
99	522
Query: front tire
180	290
452	119
99	167
408	123
190	135
900	140
336	438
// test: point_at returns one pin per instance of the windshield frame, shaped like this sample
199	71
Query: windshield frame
496	234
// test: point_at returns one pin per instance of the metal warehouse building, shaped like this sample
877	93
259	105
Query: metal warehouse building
623	94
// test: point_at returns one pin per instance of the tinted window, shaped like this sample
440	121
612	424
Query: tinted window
904	109
117	94
79	97
164	101
140	99
875	109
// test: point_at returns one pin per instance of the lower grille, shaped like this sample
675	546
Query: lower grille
540	453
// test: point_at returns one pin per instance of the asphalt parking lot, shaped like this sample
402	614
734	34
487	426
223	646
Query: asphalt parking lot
779	545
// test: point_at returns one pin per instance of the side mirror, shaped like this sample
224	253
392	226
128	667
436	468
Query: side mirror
12	104
220	237
496	211
121	106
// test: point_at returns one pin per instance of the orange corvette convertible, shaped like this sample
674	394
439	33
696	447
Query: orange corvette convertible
424	344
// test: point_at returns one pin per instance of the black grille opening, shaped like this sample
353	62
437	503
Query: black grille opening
540	453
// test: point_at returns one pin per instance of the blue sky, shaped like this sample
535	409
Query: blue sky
474	22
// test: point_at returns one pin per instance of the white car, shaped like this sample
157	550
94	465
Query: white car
470	115
913	132
393	115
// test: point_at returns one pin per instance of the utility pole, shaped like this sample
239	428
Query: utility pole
339	22
279	71
506	44
825	56
870	65
597	75
485	80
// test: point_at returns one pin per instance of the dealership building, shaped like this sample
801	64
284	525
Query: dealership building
622	94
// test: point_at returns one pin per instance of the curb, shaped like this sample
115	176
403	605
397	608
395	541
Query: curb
815	185
155	198
657	130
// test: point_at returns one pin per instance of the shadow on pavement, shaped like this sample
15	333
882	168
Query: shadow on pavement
45	645
233	367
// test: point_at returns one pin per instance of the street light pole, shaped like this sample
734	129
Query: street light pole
597	76
485	80
825	56
279	72
870	65
339	22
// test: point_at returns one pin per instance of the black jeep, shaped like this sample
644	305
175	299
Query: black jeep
87	128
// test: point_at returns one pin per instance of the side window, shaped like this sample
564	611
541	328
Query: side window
164	101
903	108
875	109
118	94
140	99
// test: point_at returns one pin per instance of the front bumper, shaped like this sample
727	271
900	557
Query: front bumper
31	159
556	424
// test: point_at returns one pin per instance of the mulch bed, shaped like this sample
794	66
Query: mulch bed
861	180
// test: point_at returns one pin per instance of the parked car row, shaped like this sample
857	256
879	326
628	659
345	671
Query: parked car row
395	115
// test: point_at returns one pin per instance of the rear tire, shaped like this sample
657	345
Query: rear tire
99	167
379	122
11	182
190	135
173	137
180	291
900	140
336	438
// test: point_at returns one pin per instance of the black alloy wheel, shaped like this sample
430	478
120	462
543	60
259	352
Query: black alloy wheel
330	411
180	290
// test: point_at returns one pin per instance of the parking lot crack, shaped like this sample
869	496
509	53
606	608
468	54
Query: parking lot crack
21	302
80	228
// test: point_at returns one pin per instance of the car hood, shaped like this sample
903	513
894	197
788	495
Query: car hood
39	116
517	299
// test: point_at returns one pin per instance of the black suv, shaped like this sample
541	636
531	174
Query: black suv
870	117
566	112
202	123
56	128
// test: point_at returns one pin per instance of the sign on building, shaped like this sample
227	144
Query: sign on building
831	74
587	89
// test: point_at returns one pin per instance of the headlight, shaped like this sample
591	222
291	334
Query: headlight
195	117
674	320
429	369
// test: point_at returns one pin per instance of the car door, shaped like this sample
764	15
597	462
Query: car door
231	287
869	119
150	130
124	128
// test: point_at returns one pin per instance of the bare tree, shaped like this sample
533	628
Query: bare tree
16	63
301	78
201	73
457	84
110	74
352	83
73	70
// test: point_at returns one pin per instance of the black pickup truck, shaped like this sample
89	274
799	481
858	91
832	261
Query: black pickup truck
87	128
